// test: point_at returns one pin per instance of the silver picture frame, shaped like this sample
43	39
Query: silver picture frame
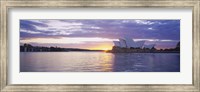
4	47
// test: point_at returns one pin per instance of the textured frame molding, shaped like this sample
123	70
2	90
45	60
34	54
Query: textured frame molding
4	46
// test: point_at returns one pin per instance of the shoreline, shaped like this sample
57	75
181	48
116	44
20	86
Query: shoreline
143	52
101	51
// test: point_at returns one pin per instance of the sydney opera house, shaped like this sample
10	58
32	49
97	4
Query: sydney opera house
130	43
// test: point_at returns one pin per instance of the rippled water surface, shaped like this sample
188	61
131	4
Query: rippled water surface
98	62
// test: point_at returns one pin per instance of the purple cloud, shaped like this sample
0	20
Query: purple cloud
103	28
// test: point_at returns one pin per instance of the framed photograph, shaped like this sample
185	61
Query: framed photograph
103	45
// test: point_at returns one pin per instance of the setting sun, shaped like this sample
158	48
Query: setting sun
105	49
102	47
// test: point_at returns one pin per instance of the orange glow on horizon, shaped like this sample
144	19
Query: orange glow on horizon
103	47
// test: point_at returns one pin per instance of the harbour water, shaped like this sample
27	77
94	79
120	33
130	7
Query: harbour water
98	62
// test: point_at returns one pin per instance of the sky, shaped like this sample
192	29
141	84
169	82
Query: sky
98	34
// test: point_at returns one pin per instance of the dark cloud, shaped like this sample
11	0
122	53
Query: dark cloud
30	25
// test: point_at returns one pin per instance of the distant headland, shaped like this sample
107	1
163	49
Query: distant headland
30	48
128	45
